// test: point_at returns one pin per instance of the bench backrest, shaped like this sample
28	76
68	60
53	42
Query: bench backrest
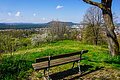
47	58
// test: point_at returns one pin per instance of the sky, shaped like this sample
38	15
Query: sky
42	11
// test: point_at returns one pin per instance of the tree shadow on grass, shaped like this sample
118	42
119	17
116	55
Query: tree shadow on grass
71	72
111	62
108	61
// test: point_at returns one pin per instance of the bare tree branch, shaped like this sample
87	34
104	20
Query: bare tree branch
100	5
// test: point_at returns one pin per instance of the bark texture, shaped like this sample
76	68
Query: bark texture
105	6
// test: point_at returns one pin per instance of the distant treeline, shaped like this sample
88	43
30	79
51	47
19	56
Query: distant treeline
31	25
21	26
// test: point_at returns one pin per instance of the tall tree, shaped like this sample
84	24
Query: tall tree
105	6
58	29
93	20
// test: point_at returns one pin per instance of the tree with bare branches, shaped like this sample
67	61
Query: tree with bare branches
58	29
93	20
105	6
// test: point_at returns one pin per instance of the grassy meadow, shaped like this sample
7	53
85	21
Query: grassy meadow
19	65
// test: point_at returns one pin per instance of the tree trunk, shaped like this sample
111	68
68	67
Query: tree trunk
113	44
105	6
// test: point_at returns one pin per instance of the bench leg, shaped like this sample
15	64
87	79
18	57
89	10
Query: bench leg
44	72
73	65
48	73
46	78
79	67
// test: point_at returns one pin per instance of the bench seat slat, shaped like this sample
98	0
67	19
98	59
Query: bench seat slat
60	56
60	61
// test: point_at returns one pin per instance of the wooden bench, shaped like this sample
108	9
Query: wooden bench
51	61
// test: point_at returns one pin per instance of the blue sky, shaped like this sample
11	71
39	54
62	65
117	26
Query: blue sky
40	11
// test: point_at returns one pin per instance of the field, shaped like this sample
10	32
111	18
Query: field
19	65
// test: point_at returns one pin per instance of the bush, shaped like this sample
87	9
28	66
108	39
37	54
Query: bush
38	39
15	69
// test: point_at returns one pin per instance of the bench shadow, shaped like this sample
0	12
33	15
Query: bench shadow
70	72
78	77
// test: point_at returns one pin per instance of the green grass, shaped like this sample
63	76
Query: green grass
19	66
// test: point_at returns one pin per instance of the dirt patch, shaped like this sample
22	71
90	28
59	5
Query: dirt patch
101	74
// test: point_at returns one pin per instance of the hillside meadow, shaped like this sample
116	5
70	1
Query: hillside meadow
19	65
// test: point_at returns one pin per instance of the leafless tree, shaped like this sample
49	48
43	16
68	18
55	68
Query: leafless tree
105	6
93	20
58	29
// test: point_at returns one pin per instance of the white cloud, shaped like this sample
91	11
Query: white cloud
18	14
34	14
43	19
59	7
9	14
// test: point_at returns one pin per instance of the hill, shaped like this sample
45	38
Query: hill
18	67
118	24
20	25
31	25
66	23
